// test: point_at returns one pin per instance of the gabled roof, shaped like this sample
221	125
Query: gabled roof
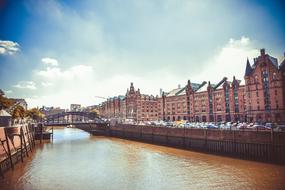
4	113
248	68
121	97
202	87
220	83
195	86
282	65
274	61
176	92
182	91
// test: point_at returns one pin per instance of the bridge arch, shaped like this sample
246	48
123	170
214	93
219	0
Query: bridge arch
71	117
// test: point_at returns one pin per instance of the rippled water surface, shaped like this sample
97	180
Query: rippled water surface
76	160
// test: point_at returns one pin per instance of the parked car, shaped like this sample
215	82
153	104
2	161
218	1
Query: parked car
261	127
269	125
212	126
280	128
242	126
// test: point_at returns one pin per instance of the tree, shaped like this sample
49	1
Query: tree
5	102
93	114
18	112
35	114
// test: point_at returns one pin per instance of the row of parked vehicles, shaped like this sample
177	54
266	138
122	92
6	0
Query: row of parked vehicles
211	125
203	125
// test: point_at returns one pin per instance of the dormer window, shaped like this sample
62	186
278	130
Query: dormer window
274	76
256	79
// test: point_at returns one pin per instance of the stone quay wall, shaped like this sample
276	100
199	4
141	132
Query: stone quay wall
268	146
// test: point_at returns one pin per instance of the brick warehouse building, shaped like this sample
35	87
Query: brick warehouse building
204	102
133	105
261	98
264	89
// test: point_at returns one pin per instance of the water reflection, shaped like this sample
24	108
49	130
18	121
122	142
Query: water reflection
76	160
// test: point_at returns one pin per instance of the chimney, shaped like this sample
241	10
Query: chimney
262	52
179	86
160	92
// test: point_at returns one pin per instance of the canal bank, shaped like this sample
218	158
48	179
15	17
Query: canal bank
77	160
16	143
265	146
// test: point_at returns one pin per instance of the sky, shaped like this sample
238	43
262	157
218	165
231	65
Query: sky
55	53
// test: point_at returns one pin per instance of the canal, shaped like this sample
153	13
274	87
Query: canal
76	160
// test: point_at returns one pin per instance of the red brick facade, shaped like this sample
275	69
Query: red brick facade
133	105
260	99
264	92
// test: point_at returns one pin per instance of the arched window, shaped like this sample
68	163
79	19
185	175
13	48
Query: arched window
197	118
265	76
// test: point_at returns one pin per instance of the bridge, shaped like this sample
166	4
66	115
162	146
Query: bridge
72	118
87	121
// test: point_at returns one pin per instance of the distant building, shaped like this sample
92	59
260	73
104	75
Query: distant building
260	99
5	118
90	108
75	107
203	102
1	92
172	105
16	102
19	102
140	107
133	105
51	110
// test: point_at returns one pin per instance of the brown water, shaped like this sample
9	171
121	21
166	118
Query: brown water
76	160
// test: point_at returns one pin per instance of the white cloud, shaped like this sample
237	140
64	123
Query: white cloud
46	84
9	47
80	83
26	85
8	91
55	73
2	50
83	89
140	52
50	61
229	61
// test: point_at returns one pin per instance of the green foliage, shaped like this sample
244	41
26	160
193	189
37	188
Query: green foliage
35	114
19	112
5	102
93	114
